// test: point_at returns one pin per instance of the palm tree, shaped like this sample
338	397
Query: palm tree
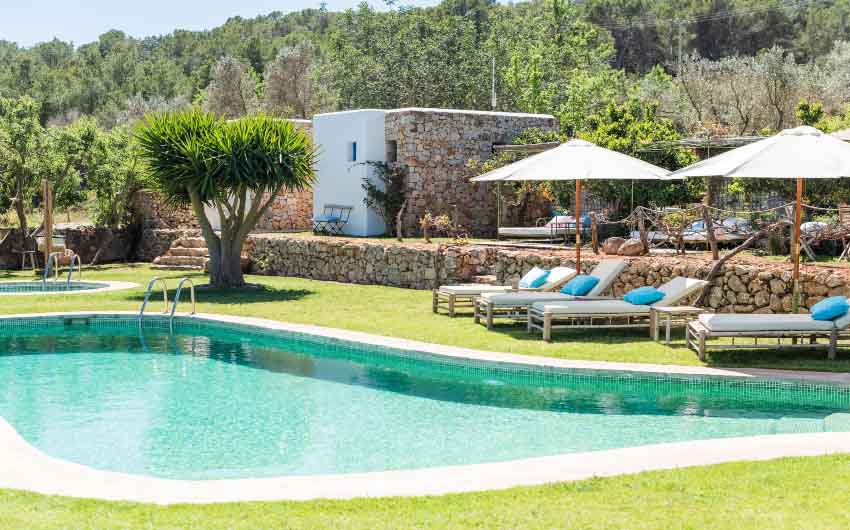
237	168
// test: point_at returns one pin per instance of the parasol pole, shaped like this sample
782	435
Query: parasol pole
798	218
578	226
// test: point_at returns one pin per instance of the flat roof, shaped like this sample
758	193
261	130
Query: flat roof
441	111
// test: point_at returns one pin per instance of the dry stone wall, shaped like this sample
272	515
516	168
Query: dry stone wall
331	259
434	146
738	289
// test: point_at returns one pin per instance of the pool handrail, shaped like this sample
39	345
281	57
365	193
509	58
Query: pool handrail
75	257
50	259
177	300
151	284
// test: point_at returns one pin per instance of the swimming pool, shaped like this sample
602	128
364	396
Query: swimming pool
50	287
217	401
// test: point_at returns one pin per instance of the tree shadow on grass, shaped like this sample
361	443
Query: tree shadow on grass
248	295
591	336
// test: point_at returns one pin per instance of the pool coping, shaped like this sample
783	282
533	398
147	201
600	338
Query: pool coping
24	467
108	287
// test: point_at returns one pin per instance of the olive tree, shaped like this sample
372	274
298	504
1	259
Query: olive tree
236	168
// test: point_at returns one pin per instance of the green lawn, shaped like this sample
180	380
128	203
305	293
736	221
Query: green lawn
790	493
401	313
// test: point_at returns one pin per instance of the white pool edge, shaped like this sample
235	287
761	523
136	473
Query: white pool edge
108	286
24	467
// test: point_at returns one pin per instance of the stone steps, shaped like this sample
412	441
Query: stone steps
187	268
189	254
197	262
193	252
190	242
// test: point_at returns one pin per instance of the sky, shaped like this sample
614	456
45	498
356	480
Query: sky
80	21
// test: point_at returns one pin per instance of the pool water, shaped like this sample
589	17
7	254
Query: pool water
49	286
215	401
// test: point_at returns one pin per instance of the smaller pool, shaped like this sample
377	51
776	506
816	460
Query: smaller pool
38	287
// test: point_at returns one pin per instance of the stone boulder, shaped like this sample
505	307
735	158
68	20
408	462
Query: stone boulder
631	247
612	245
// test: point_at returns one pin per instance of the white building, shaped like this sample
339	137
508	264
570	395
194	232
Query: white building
432	146
346	141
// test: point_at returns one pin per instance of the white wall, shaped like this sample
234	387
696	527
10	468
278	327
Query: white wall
340	180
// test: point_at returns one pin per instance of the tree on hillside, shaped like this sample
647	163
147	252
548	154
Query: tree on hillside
235	167
30	154
636	129
408	57
288	82
22	143
233	90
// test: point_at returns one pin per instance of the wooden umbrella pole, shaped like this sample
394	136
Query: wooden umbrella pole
578	226
798	219
48	219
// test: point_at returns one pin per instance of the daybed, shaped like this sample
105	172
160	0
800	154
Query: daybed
802	329
514	305
464	295
582	314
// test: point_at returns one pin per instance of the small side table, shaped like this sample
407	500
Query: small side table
24	255
671	315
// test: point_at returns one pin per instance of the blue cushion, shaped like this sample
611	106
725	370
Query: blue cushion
580	285
643	296
534	278
830	308
326	218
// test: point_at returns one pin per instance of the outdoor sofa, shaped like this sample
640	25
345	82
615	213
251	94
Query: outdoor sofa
584	314
453	297
802	329
514	305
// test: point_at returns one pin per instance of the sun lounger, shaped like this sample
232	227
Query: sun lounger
464	295
798	328
515	305
583	314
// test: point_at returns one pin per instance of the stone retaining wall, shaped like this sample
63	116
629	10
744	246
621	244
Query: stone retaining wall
114	244
739	288
331	259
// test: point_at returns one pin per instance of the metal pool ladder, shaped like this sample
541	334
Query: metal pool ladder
52	259
155	280
177	300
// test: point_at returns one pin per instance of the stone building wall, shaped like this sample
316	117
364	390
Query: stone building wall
740	288
435	145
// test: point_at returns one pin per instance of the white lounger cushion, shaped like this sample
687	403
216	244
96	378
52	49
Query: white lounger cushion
523	298
607	271
591	307
474	289
768	322
677	289
558	276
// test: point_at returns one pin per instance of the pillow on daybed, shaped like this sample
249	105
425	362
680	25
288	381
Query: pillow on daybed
534	278
580	285
830	308
560	221
643	296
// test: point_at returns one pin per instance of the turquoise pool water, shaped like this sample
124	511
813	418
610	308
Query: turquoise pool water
217	401
50	286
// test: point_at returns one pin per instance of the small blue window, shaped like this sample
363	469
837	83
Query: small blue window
352	151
